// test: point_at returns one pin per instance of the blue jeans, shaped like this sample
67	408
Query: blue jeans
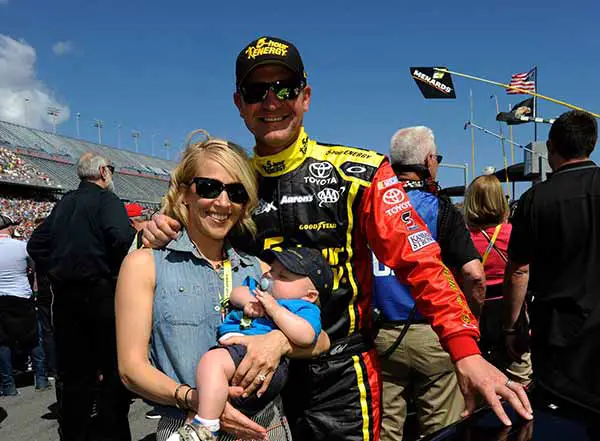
7	380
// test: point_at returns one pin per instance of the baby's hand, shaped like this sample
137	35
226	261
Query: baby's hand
267	301
254	309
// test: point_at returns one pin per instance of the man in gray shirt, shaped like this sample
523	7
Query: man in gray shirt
18	322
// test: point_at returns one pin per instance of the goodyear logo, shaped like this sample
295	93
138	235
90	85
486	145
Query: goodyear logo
265	46
319	226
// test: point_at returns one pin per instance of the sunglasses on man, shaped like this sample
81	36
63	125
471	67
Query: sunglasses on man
284	90
111	168
209	188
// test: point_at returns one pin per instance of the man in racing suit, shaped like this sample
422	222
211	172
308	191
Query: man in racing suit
342	200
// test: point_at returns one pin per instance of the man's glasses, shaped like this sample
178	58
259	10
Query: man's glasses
283	89
111	168
439	158
208	188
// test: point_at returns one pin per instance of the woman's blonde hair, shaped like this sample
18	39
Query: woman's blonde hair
485	204
228	155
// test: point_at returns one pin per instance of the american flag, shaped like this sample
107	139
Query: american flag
524	81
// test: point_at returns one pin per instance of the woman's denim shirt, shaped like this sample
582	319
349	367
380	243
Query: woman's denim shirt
186	311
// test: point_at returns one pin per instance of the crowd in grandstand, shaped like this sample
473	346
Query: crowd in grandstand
14	168
26	211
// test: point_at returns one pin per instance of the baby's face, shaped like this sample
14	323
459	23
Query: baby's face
288	285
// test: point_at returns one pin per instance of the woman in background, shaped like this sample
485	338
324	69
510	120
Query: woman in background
486	214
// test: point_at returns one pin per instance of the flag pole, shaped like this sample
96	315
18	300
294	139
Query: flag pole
525	92
510	135
503	147
512	151
472	133
535	104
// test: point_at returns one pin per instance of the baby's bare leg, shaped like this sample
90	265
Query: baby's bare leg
215	370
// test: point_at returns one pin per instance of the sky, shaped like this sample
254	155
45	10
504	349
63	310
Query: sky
166	68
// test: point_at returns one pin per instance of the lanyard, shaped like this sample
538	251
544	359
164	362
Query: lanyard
227	287
491	244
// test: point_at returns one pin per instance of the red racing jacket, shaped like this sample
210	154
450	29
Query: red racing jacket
346	201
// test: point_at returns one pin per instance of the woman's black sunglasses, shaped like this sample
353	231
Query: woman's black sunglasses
288	89
208	188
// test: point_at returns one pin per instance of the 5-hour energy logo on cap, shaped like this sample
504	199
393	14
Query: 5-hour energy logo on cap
265	46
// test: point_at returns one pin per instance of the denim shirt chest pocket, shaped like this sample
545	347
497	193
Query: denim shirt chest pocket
190	297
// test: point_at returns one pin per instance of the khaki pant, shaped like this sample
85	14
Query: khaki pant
419	369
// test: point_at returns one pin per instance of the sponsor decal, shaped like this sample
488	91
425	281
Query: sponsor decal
348	152
318	226
379	269
387	183
265	46
466	314
264	207
338	349
296	199
273	167
420	240
304	146
321	173
398	208
409	221
356	169
433	82
329	195
393	196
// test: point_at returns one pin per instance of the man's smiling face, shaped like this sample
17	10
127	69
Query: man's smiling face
275	123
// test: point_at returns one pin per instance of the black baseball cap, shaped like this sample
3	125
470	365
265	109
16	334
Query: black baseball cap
305	262
7	221
268	50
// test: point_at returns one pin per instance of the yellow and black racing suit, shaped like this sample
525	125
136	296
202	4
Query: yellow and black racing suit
345	200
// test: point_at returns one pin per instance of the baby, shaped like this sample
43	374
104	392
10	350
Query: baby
285	300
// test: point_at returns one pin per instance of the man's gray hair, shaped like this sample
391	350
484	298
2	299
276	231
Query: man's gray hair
411	145
88	166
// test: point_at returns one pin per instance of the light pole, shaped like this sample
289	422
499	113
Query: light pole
27	112
99	123
152	142
77	116
119	125
54	112
136	135
167	145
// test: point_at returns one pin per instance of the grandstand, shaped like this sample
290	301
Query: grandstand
46	161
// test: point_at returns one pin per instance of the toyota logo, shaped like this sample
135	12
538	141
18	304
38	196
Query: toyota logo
320	170
393	196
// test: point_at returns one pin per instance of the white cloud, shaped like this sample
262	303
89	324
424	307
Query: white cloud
62	47
23	98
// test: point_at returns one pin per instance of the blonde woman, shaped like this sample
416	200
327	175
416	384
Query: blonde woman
486	213
171	300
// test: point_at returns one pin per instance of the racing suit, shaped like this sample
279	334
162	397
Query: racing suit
345	200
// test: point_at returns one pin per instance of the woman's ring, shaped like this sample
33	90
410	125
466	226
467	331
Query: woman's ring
507	384
262	378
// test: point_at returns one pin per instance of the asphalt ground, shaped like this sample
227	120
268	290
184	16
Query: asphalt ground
30	416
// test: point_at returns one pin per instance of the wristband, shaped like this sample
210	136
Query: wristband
185	399
177	402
